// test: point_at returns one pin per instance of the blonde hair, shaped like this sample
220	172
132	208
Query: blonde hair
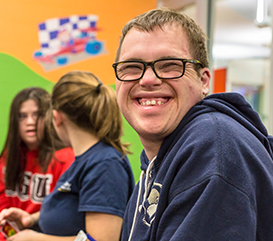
160	17
90	105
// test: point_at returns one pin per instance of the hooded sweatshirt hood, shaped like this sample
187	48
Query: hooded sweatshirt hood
231	104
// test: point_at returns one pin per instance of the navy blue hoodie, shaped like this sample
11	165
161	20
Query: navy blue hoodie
211	180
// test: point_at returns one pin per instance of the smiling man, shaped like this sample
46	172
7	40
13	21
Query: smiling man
207	161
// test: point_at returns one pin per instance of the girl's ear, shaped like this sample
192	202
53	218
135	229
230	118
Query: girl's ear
58	117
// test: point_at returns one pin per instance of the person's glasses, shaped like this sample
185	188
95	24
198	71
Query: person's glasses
132	70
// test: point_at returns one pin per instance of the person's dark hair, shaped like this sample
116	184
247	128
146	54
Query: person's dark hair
158	18
15	150
91	105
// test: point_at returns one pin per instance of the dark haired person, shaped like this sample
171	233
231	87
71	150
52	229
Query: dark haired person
28	169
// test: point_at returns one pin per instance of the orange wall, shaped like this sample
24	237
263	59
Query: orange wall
19	21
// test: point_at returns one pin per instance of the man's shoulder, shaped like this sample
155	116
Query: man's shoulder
216	123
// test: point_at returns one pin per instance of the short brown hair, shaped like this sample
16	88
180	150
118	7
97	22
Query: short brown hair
148	21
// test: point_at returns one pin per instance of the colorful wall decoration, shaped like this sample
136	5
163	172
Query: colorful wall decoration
68	40
42	40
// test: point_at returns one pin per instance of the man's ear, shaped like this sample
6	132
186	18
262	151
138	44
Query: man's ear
205	79
58	117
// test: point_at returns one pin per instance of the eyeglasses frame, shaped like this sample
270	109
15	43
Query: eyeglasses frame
152	63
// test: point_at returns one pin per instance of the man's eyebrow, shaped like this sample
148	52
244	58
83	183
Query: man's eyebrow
163	57
132	59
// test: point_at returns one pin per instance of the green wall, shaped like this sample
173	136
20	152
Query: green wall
15	76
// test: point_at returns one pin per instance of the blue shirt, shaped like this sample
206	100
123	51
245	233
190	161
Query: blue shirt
99	180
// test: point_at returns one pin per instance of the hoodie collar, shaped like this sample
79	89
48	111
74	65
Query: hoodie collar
232	104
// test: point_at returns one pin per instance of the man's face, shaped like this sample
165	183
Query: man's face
152	106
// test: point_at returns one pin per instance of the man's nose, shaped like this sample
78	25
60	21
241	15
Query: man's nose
149	77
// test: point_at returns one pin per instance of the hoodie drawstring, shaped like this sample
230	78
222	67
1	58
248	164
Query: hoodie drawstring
138	209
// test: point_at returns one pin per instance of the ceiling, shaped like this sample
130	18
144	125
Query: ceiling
236	32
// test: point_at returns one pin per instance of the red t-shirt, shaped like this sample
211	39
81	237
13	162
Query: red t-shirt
36	184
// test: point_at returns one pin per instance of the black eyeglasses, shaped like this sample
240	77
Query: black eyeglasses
172	68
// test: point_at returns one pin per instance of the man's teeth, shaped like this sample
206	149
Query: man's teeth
152	102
